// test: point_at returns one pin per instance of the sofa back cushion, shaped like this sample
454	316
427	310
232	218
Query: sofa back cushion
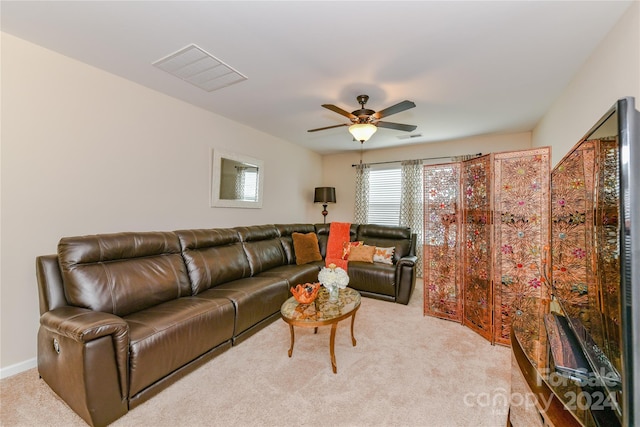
386	236
213	257
286	231
122	273
262	246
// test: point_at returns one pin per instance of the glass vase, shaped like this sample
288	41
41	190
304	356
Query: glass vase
334	294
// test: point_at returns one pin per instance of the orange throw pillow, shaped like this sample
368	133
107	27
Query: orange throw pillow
362	253
346	248
306	248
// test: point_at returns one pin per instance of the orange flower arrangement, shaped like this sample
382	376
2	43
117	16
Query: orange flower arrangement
306	293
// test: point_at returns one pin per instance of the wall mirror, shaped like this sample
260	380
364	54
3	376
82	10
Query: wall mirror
236	180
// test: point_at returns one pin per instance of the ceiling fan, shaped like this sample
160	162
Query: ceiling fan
364	122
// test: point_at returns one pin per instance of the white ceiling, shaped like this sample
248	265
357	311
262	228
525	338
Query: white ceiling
471	67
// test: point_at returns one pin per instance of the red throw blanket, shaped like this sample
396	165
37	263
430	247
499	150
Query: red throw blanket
338	234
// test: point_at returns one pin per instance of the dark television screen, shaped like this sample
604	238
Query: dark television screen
595	257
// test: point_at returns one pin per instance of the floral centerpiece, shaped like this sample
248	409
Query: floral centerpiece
333	278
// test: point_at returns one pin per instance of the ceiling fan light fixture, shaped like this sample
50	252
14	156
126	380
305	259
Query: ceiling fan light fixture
362	131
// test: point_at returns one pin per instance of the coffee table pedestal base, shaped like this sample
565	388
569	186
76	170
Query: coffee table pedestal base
332	341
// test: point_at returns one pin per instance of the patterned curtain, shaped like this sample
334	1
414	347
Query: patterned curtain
361	213
411	204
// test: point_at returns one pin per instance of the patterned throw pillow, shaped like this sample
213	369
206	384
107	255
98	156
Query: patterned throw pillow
362	253
346	248
384	255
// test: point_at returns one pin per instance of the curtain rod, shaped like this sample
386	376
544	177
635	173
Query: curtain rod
462	157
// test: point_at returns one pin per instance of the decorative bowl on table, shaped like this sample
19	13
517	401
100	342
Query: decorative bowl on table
306	293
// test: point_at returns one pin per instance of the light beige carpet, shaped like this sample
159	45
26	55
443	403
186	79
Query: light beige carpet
406	370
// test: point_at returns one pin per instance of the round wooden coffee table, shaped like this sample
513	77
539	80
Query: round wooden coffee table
321	312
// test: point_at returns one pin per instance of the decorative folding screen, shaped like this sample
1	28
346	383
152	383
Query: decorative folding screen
442	272
497	226
521	235
477	244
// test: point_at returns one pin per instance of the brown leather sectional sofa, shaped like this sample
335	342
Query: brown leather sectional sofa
124	315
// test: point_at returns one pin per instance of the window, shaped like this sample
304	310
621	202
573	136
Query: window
384	196
250	184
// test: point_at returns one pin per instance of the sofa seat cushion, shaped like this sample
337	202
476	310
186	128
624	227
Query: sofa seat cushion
255	298
167	336
372	277
295	274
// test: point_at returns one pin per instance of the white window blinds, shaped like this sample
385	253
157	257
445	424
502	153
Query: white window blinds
384	196
250	184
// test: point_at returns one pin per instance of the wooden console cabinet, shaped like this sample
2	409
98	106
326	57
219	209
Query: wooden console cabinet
533	401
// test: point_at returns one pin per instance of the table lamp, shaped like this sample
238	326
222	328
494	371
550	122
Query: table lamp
325	195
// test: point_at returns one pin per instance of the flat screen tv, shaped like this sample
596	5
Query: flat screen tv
595	247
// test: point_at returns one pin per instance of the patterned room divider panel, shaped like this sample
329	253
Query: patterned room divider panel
520	236
572	200
477	243
442	270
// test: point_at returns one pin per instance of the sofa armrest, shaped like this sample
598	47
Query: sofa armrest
409	260
83	356
83	325
405	278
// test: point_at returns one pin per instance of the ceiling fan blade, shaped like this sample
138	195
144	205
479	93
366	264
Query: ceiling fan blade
339	111
328	127
397	126
400	106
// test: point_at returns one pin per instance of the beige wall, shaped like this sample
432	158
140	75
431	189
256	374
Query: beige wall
338	173
611	72
84	152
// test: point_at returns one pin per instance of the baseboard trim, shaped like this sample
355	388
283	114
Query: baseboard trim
18	368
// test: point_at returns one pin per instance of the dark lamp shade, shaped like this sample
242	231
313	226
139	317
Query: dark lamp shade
325	195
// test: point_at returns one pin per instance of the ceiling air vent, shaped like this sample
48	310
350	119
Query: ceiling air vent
415	135
199	68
